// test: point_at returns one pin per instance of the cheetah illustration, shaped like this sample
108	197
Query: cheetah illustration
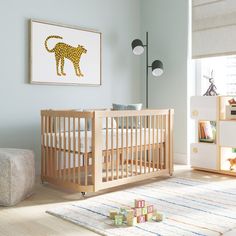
62	51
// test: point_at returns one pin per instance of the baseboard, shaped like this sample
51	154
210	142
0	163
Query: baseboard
180	158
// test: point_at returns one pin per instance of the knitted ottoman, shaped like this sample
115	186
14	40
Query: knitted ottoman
17	175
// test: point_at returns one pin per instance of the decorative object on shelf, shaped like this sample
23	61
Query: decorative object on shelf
207	131
157	65
232	162
232	101
64	55
211	91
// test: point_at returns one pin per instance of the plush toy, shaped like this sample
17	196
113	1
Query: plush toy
232	101
232	162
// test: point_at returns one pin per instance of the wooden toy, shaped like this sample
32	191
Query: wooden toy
150	208
118	219
113	214
141	219
139	203
138	212
144	210
132	221
148	217
129	213
135	211
232	162
158	216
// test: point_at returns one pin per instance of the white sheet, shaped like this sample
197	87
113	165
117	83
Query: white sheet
53	139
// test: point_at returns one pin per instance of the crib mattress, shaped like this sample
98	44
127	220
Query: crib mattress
66	141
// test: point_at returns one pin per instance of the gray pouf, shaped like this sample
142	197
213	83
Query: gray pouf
17	175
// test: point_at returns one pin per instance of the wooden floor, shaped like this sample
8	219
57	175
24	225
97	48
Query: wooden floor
29	217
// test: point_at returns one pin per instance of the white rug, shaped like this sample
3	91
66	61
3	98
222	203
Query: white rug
192	207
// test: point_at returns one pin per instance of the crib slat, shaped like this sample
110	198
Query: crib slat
74	150
79	154
131	145
69	151
47	144
149	143
127	146
64	150
157	146
153	142
166	142
145	141
55	147
112	151
86	152
141	144
51	148
42	148
106	154
122	146
117	152
161	143
59	152
136	145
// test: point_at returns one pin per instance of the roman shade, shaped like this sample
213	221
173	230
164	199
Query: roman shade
213	28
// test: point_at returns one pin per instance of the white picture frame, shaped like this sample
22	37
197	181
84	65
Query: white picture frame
64	55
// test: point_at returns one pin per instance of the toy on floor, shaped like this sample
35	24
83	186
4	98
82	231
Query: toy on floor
140	213
232	162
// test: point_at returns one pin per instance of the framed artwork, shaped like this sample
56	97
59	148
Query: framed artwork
64	55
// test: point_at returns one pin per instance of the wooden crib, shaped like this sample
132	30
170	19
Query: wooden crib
88	151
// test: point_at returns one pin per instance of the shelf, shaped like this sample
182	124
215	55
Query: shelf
224	107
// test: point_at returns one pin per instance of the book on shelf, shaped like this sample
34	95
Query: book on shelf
207	131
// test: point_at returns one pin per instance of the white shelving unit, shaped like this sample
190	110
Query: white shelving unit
212	154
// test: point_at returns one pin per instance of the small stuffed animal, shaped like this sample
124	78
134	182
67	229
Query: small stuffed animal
232	101
232	162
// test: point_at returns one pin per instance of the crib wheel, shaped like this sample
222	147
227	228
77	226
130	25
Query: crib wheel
83	194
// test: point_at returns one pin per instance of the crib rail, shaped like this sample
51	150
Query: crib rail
138	145
63	161
93	150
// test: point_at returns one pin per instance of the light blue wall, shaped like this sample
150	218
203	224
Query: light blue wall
167	24
120	21
21	102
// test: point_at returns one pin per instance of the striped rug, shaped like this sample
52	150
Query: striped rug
192	207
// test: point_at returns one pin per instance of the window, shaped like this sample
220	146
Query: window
221	71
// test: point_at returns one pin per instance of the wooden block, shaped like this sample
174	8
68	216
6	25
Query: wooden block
113	214
132	221
124	209
135	211
141	219
139	203
144	210
129	213
150	209
138	212
118	219
148	217
159	216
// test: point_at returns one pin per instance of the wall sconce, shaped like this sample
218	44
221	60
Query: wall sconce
157	66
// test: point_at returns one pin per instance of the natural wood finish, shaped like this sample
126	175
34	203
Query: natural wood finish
124	158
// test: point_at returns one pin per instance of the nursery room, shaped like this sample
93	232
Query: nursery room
118	117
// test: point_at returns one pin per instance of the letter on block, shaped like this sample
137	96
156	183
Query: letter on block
132	221
141	219
118	220
113	214
139	203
